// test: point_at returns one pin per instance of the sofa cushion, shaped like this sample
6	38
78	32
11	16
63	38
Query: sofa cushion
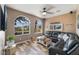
65	37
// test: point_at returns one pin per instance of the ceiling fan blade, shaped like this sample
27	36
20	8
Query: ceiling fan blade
50	12
41	11
49	7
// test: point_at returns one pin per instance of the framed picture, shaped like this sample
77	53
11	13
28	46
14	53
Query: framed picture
57	27
78	22
51	26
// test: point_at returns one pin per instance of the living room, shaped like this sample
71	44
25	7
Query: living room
37	27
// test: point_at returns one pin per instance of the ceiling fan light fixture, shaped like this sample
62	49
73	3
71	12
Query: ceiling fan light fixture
44	13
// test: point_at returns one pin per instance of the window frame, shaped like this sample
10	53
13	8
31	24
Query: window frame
22	27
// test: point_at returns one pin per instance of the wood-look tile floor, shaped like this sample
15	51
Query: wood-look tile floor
31	49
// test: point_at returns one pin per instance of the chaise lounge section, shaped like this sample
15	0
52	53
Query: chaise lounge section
67	44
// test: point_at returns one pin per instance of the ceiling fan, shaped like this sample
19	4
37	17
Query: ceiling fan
46	11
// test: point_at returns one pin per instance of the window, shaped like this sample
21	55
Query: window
22	26
38	26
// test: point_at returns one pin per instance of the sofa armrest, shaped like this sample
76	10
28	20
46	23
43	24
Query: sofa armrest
51	45
70	51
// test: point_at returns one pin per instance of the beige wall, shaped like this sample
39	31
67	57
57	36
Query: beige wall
12	15
68	20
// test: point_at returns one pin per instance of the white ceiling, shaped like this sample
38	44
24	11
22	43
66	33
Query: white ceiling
35	9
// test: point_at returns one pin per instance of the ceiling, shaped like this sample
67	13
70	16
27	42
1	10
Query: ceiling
35	9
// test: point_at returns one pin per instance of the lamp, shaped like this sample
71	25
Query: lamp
2	41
